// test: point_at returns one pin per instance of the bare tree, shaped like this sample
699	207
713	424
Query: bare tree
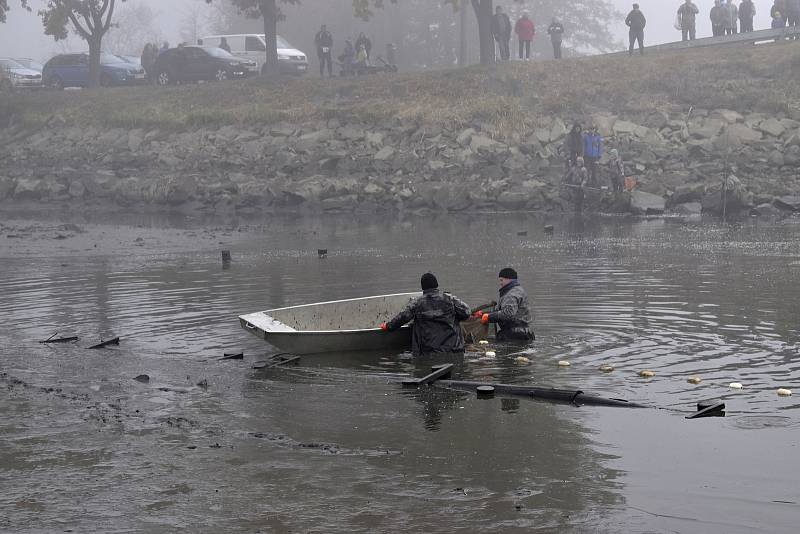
91	19
4	8
134	26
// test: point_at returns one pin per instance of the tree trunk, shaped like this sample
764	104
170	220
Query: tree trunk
95	46
462	36
483	12
269	11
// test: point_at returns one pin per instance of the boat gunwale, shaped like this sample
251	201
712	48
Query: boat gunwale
311	332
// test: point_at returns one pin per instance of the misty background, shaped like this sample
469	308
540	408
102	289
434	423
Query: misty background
185	20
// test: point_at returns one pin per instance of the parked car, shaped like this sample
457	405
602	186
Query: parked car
253	46
16	76
72	70
196	63
29	63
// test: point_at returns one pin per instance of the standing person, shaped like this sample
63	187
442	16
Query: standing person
436	317
592	152
223	44
577	178
324	42
147	59
512	312
779	7
731	17
573	145
717	19
501	29
364	41
747	12
636	22
164	48
556	31
687	15
616	168
792	13
525	31
348	58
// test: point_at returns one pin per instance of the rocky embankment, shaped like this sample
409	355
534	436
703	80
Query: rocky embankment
677	158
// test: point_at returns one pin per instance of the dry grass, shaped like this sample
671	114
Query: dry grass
505	99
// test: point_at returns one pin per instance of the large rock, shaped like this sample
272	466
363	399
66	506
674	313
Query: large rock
28	189
742	133
727	115
605	124
465	137
646	203
624	128
709	129
788	203
558	130
384	153
772	127
687	193
513	200
688	208
481	142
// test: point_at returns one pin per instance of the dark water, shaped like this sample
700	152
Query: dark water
335	445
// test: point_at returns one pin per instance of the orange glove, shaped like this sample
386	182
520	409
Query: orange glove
384	327
478	314
485	318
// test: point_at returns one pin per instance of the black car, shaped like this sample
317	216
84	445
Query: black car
195	63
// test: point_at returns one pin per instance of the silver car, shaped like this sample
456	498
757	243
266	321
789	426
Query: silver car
15	76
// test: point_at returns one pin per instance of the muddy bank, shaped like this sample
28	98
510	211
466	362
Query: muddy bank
406	165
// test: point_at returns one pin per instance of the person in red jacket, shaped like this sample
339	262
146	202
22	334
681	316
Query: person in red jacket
525	30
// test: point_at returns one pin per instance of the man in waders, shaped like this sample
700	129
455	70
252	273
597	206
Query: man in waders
512	313
577	179
436	317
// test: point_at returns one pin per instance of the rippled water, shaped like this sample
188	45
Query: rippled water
335	444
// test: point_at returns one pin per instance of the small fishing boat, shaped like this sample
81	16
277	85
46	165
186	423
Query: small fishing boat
333	326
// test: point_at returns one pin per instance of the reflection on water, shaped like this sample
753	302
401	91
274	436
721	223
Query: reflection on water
336	443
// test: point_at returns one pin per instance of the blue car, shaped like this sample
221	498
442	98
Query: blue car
72	70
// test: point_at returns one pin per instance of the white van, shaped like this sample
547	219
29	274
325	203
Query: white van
253	46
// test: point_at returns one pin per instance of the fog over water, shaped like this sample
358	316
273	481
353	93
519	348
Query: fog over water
22	35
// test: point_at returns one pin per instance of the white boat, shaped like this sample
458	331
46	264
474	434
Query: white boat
333	326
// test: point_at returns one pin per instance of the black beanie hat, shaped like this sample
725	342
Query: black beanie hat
509	273
429	281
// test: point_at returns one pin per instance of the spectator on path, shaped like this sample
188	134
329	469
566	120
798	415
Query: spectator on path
573	145
717	19
731	17
324	42
636	22
747	12
792	13
616	169
525	31
148	59
556	31
778	22
348	58
164	48
687	16
779	7
362	59
592	152
501	30
364	41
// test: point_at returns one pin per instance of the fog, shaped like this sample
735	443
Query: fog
22	35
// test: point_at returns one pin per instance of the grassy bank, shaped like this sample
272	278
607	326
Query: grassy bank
505	99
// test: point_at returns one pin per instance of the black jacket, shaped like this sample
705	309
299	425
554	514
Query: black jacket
436	327
323	39
501	26
556	31
636	20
